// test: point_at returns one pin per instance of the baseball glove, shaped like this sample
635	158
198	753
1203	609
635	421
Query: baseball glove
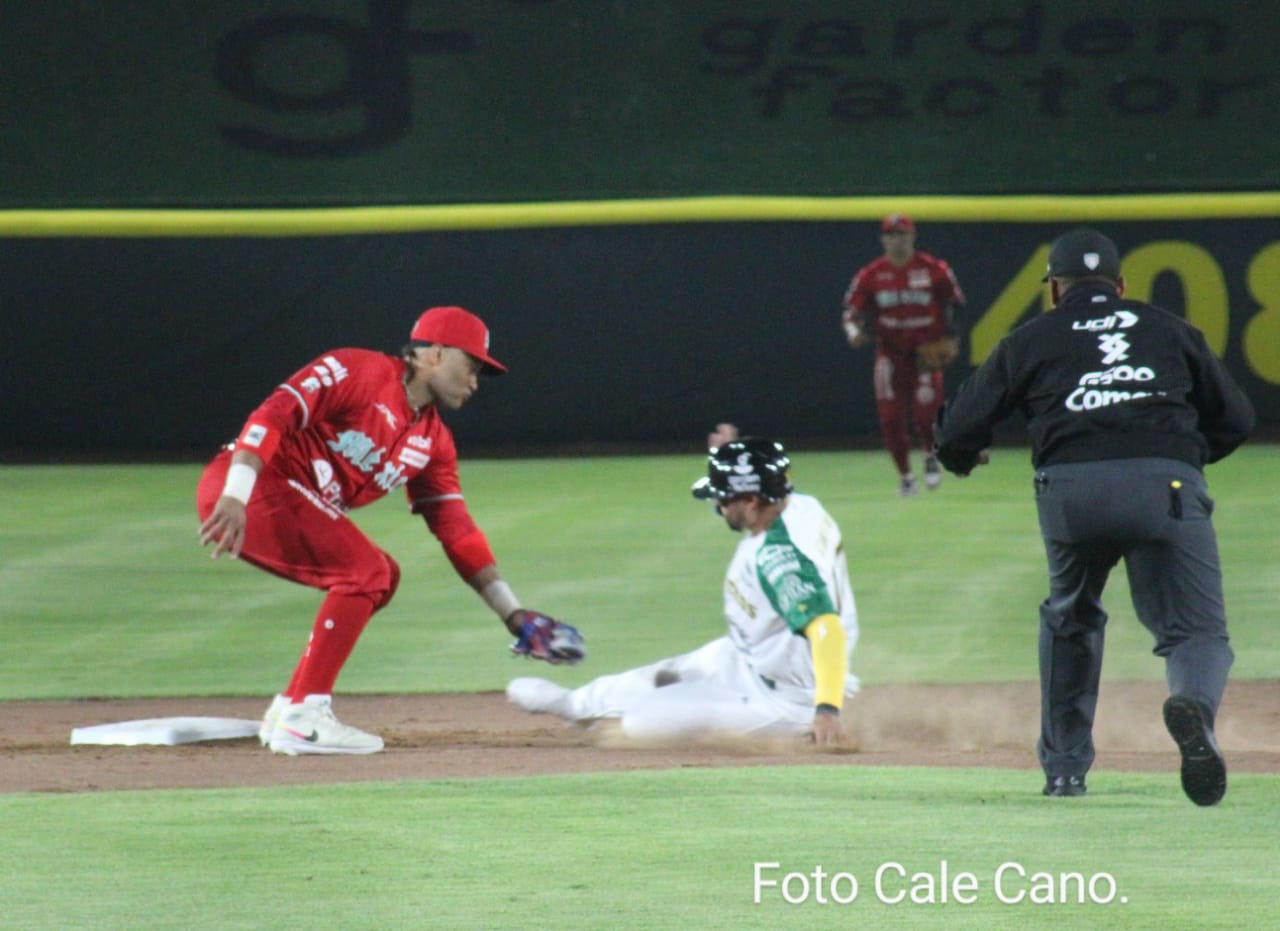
545	638
938	353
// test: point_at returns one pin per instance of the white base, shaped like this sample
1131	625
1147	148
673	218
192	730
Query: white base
165	731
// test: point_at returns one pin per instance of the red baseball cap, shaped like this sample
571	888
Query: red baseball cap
459	328
897	221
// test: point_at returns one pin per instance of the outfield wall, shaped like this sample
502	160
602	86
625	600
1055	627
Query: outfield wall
615	333
656	204
279	102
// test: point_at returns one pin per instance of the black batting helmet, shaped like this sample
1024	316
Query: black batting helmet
750	466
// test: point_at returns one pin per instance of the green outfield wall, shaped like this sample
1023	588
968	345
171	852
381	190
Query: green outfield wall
354	102
656	204
624	333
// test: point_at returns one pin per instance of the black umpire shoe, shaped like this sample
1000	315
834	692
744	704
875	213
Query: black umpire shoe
1204	771
1065	786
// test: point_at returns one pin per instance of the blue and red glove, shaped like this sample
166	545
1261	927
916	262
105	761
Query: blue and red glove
545	638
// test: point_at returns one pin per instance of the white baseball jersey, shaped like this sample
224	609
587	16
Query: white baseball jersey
759	677
777	583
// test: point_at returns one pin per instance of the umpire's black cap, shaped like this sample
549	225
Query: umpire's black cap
1083	253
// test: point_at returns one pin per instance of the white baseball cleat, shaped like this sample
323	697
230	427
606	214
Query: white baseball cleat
310	727
539	696
907	487
932	473
268	728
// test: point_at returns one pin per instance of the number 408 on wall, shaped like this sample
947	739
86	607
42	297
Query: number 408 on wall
1205	295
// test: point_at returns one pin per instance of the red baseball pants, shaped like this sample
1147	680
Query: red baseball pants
293	533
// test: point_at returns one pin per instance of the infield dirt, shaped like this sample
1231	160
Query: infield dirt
456	736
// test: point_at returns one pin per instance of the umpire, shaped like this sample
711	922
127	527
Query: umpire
1125	403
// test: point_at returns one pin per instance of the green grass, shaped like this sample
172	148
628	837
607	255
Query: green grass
640	850
108	594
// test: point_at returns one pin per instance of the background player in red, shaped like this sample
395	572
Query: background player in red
338	434
906	299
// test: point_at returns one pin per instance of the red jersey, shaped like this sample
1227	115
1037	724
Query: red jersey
342	426
907	305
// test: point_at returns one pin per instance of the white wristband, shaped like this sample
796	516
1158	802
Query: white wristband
851	329
498	595
240	479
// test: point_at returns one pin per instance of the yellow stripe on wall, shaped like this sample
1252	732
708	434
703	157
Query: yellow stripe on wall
360	220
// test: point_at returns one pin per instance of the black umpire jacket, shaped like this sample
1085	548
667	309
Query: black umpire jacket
1099	377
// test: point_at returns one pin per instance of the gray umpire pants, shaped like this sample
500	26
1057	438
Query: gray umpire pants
1155	515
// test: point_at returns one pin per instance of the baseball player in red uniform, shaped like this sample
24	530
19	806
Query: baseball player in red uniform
905	298
340	433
